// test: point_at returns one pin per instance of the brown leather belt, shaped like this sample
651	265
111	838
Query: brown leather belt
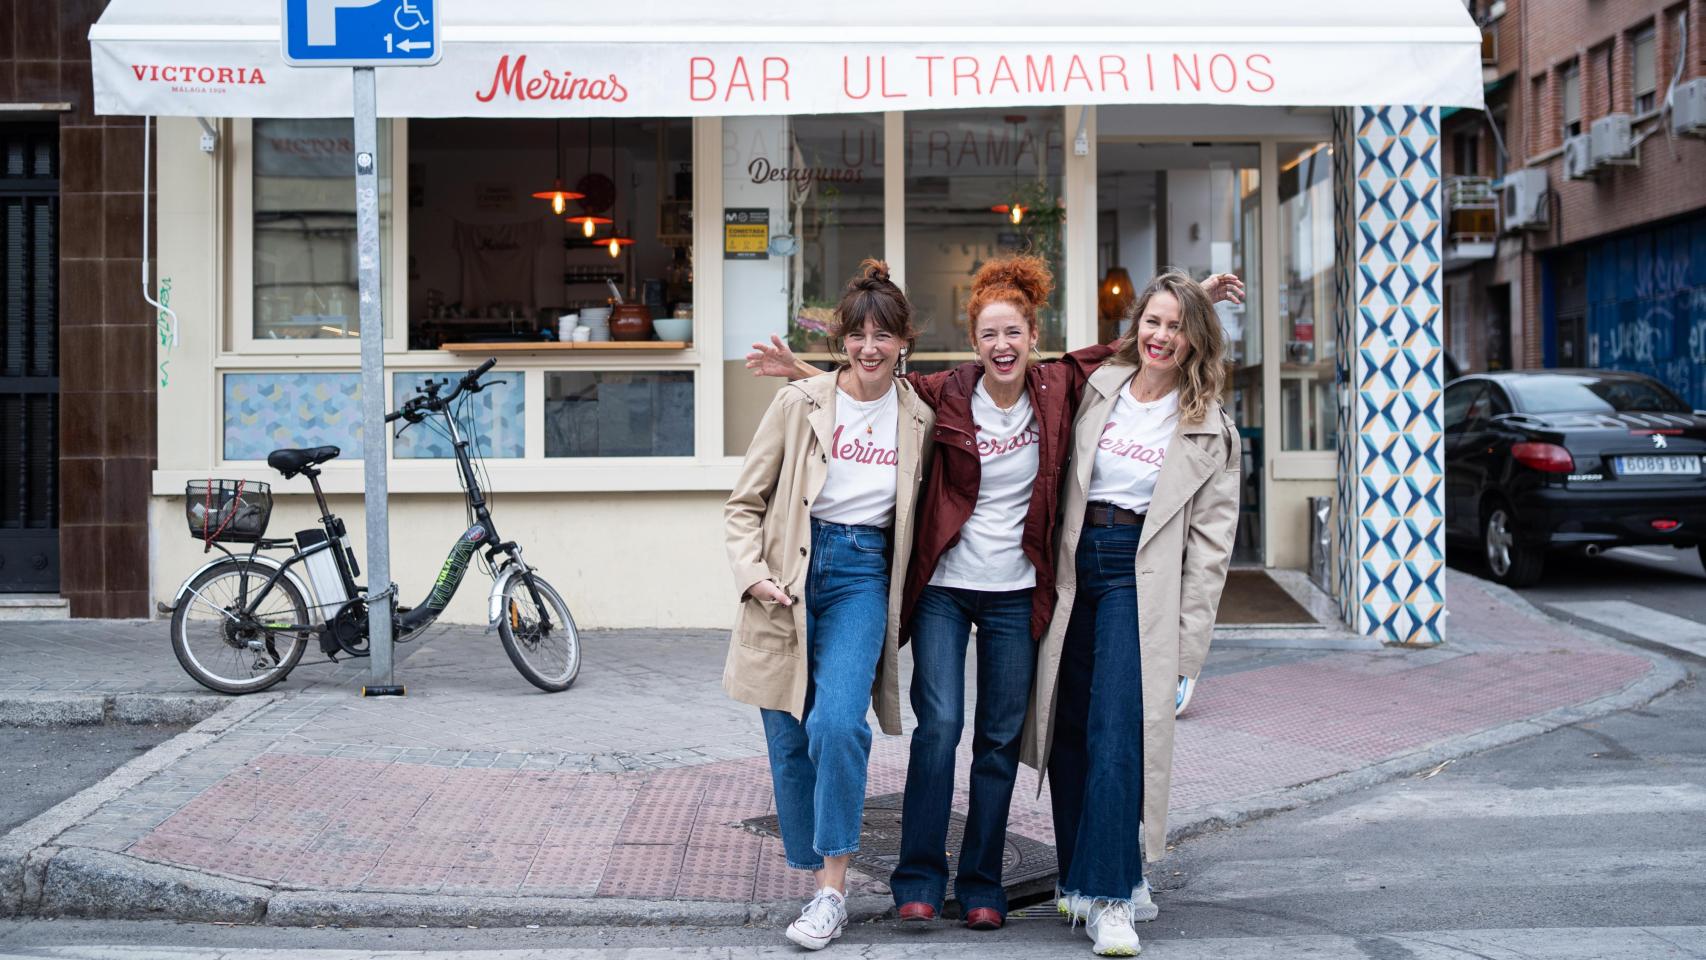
1102	514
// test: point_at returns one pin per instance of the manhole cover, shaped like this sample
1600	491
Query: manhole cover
1027	866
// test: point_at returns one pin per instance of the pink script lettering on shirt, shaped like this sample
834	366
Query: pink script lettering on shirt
1000	448
861	452
1127	447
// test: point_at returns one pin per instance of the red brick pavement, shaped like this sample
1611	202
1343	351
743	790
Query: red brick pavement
352	824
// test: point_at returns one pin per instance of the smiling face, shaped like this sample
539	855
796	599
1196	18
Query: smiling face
1003	340
872	353
1161	342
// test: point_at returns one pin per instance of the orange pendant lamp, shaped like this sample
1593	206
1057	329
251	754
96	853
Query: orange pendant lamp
558	196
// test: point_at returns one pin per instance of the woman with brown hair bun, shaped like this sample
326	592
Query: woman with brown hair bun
983	557
1148	517
819	532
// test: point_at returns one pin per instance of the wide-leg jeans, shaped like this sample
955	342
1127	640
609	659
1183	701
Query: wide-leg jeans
1095	766
1006	658
818	767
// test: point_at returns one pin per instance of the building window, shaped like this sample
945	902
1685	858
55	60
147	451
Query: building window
980	184
493	421
305	277
1572	99
1466	154
625	413
1308	410
802	207
1645	59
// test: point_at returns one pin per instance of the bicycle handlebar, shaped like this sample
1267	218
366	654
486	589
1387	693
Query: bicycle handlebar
470	382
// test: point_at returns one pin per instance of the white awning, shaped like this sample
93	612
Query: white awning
682	58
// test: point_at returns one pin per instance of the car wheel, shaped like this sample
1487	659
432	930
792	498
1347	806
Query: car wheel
1510	561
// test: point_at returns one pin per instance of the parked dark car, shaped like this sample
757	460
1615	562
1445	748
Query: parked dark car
1540	460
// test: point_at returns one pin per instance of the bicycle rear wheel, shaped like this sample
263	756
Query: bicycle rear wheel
548	656
231	650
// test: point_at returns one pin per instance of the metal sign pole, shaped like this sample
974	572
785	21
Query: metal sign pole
381	679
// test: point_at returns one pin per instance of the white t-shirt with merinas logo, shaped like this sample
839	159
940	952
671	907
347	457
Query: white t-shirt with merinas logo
989	555
863	458
1131	450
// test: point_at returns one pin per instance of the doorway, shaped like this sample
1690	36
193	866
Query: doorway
29	365
1195	207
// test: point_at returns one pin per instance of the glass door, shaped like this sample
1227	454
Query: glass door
1195	207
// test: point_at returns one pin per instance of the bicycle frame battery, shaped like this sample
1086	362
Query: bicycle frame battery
323	571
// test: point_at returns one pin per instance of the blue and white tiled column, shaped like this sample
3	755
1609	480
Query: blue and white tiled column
1391	497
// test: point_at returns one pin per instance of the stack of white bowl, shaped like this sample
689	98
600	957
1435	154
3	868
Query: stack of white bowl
597	319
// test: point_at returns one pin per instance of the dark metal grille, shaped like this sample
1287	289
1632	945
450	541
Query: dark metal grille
29	357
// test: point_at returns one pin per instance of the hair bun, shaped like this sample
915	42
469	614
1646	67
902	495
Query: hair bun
873	273
1027	275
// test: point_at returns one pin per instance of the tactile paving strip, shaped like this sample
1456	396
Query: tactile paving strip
1028	866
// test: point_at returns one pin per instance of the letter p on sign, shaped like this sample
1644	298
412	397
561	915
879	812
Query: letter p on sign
323	19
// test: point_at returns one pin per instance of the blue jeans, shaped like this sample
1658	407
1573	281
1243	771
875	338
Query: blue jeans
1095	768
818	768
1006	657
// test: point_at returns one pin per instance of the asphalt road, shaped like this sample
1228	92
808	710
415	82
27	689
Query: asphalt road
40	766
1580	843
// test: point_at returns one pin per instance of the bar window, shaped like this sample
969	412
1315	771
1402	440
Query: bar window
305	279
605	413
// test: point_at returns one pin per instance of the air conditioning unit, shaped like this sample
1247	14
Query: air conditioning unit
1610	140
1578	157
1688	109
1522	199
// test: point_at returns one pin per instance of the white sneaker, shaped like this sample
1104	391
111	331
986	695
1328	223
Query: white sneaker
821	920
1071	906
1110	925
1187	689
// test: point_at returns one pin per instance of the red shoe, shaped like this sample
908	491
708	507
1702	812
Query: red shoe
917	911
985	918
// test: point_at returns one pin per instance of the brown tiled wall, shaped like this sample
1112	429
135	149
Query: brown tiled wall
106	332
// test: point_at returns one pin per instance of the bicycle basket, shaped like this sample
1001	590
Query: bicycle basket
227	511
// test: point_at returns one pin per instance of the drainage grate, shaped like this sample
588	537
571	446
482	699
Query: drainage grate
1027	867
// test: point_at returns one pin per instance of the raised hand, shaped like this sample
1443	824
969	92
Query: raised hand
1224	286
772	360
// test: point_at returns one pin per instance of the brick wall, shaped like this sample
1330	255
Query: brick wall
107	399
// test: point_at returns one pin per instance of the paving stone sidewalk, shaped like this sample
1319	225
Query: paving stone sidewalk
634	785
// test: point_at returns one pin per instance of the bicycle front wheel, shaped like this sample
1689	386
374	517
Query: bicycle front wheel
542	643
230	643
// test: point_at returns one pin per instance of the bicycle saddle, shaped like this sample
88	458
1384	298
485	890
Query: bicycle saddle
292	462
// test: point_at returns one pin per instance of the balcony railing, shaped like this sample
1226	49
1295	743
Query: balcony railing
1471	219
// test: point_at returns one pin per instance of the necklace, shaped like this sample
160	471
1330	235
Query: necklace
876	407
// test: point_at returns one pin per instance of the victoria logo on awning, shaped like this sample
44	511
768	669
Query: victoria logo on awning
513	80
190	75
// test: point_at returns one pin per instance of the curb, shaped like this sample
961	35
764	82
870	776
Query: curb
26	853
87	709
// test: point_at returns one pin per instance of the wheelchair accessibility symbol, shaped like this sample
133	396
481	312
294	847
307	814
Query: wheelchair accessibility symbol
407	16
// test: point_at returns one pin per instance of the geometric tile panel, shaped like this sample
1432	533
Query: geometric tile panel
492	420
1396	470
267	411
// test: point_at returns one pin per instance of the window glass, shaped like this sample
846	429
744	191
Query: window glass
305	277
1646	70
1457	399
1563	393
802	207
980	184
1308	406
619	414
1572	83
493	421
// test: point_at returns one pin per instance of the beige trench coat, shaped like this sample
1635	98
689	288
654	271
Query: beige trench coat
1181	568
769	533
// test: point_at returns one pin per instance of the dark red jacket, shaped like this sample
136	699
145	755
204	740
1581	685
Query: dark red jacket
950	491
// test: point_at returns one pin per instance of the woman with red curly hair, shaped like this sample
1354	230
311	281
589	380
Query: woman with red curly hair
983	556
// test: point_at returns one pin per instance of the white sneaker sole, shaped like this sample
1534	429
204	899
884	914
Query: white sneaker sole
810	942
1141	912
1117	950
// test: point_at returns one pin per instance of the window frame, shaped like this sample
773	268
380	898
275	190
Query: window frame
1648	36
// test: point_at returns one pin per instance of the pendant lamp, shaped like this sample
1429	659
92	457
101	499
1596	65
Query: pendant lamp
1014	211
558	196
589	223
616	241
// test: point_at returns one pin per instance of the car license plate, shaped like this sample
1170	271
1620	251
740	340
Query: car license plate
1653	466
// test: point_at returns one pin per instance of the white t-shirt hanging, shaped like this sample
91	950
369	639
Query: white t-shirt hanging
1133	445
989	556
863	457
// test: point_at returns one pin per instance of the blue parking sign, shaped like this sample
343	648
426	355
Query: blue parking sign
361	33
